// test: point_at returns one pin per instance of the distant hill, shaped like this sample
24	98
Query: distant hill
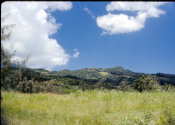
110	75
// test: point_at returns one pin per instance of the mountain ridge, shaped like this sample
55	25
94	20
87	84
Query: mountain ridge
113	75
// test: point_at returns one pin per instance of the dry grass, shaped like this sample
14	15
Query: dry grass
89	108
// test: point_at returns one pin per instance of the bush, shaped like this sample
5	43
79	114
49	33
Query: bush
123	86
146	83
11	80
26	86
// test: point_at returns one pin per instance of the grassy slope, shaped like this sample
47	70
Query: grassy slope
89	108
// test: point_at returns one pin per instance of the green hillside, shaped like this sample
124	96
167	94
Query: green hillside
113	75
28	80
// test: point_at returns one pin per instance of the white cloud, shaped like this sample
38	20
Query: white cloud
61	6
123	23
76	54
132	6
30	36
89	12
51	6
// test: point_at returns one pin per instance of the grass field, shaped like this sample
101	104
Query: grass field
89	108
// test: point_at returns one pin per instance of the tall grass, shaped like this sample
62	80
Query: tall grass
89	108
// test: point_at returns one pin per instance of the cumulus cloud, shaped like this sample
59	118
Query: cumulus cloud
123	23
59	5
132	6
76	54
30	36
89	12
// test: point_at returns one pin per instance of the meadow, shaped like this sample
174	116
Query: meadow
93	107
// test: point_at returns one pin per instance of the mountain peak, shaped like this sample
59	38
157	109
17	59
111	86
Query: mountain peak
119	67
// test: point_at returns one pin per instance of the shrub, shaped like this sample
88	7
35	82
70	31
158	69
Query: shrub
146	83
26	86
123	86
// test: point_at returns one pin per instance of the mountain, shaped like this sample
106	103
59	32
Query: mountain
111	76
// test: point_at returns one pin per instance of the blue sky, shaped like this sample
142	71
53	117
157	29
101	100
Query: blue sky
139	37
150	50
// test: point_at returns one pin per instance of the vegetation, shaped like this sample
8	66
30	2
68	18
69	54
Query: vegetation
146	83
5	55
9	77
93	107
113	76
88	96
21	79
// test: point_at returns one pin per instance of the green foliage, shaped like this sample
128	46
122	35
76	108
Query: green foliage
9	77
12	79
118	70
114	76
5	56
123	86
50	86
25	86
31	74
146	83
166	78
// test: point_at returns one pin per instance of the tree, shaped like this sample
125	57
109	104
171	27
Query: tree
5	55
26	86
8	75
146	83
123	86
